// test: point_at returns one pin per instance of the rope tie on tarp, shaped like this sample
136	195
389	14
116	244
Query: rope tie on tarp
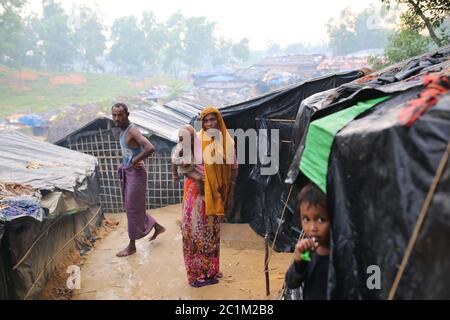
435	86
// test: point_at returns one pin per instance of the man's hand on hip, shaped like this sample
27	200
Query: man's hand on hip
138	165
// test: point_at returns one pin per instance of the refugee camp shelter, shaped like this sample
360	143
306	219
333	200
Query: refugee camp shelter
260	198
220	73
160	124
293	63
48	206
374	147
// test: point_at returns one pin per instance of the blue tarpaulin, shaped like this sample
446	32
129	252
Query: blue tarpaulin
32	120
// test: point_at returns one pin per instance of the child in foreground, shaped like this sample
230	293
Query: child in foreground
311	254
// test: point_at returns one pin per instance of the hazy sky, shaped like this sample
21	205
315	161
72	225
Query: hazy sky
262	21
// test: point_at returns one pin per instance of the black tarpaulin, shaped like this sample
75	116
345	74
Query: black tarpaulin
37	248
260	199
374	85
379	173
3	274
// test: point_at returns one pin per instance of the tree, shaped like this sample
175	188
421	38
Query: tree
32	53
273	49
417	20
11	4
88	36
173	52
11	31
57	39
341	33
405	44
199	41
223	52
155	40
353	32
424	15
241	50
298	47
126	51
370	34
304	48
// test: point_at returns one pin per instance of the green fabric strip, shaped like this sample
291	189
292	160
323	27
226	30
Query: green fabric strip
321	133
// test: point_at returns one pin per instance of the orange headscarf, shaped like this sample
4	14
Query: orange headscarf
219	148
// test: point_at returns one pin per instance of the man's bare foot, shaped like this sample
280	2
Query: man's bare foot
158	230
126	252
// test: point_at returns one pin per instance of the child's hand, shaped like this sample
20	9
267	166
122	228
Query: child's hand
304	245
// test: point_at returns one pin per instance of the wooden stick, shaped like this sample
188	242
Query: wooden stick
279	226
59	251
58	219
419	223
281	120
266	264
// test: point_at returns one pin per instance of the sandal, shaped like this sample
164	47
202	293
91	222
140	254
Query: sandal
202	283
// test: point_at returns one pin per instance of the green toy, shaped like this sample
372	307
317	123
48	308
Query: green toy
306	256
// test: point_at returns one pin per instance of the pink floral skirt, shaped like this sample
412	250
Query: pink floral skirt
201	237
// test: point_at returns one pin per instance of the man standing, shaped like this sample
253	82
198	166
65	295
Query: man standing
133	176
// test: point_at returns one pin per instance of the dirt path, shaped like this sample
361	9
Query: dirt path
157	271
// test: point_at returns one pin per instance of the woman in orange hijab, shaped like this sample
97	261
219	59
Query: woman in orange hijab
202	213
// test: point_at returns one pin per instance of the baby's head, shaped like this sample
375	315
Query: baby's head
315	220
186	134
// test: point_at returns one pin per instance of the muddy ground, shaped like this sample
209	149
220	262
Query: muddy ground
157	271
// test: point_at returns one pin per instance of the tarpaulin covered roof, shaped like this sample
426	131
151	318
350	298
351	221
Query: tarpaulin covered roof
68	182
42	165
377	84
380	167
378	177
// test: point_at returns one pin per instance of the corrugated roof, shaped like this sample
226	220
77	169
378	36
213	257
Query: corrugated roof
159	120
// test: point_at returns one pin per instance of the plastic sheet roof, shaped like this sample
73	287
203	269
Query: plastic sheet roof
42	165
